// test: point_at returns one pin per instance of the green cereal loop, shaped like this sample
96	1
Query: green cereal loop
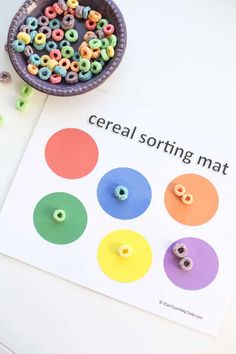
85	76
102	23
59	215
104	55
26	91
72	35
101	61
96	67
67	52
105	43
39	46
84	65
112	40
95	43
21	104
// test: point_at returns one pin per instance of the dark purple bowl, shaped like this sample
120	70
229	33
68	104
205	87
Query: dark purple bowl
108	9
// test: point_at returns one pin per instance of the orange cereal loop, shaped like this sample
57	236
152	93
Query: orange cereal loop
96	53
89	35
95	16
65	63
86	53
32	69
179	190
74	66
187	199
83	44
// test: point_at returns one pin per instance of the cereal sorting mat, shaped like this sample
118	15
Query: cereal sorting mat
55	52
135	213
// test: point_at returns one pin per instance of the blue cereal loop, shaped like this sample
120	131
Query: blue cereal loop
86	11
18	46
54	24
60	71
44	73
51	46
35	60
76	57
32	23
39	46
32	36
85	76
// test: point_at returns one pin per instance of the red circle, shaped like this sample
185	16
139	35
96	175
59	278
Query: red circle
71	153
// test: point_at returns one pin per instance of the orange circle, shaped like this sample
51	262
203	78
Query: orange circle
205	202
71	153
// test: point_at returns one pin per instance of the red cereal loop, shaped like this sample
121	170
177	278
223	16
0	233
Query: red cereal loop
55	54
90	25
58	35
55	79
50	12
108	30
57	8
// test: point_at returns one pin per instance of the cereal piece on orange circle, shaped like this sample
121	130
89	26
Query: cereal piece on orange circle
65	63
24	37
86	53
74	66
94	16
32	69
179	190
187	199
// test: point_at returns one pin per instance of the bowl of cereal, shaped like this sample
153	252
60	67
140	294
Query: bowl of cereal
66	47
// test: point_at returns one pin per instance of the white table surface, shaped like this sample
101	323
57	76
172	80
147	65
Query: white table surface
181	58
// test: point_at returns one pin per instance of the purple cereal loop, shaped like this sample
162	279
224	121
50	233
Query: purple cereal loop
100	34
46	30
28	51
68	22
180	250
5	77
43	20
186	264
71	78
25	28
62	5
79	11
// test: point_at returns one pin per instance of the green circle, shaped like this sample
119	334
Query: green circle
64	232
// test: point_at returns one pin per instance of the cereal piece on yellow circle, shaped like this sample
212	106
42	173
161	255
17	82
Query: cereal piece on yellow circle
51	64
24	37
75	66
40	38
72	4
95	16
125	251
32	69
110	51
45	59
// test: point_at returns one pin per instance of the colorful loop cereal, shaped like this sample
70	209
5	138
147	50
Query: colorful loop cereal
96	53
108	30
180	250
104	55
32	36
71	78
90	25
179	190
104	43
25	28
62	5
121	192
84	65
89	35
18	46
57	35
76	57
55	54
40	38
65	63
68	22
54	24
32	69
24	37
102	23
51	64
100	34
125	251
95	43
94	16
101	61
86	11
96	67
21	104
186	264
26	91
86	53
83	44
43	21
39	46
44	60
50	12
51	46
74	66
187	199
85	76
72	4
35	60
110	51
112	40
71	35
67	52
46	30
79	11
28	51
70	11
55	79
59	70
32	22
5	77
44	73
64	43
57	8
59	215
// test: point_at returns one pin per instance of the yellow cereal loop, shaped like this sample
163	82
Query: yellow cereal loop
40	38
110	51
52	63
120	268
24	37
72	4
32	69
45	59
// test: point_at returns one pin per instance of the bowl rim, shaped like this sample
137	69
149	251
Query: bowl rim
72	90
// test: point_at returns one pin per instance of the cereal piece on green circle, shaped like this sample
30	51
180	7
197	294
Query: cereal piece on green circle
51	46
71	78
54	23
5	77
59	70
26	91
76	57
18	46
84	65
72	35
85	76
104	55
35	60
39	46
44	73
105	43
64	43
21	104
95	43
67	52
96	67
32	22
112	40
24	37
102	23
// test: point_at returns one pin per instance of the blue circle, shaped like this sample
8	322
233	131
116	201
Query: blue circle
140	193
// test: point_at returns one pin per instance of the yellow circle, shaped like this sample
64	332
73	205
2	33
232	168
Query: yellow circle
124	269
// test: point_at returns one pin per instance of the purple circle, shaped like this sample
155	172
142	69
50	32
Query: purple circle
205	265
